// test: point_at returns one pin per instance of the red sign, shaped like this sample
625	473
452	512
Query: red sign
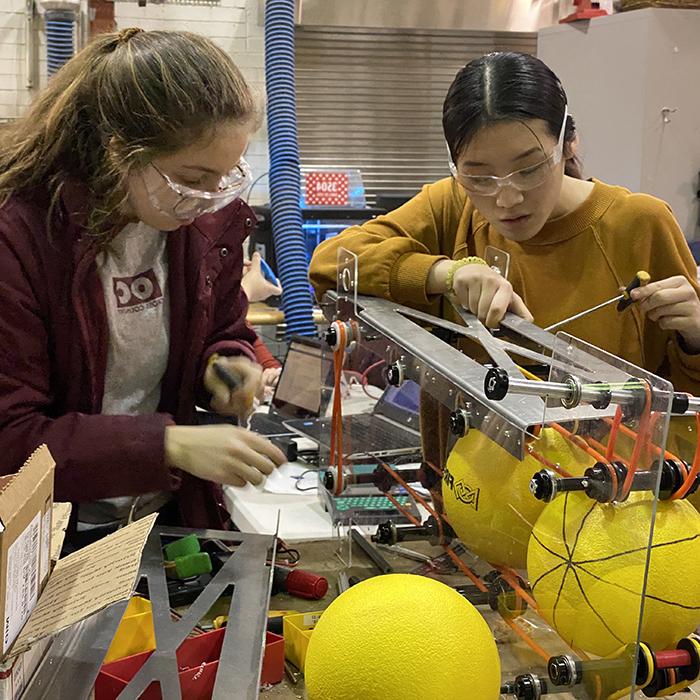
329	188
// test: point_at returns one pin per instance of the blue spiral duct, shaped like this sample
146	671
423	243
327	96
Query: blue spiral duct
60	42
285	176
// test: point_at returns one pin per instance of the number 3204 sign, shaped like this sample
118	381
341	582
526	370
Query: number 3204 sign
326	188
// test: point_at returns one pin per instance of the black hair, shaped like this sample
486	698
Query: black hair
500	86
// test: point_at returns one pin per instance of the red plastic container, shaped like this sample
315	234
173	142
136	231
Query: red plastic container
198	661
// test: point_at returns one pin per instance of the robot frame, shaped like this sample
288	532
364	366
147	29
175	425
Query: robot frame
494	395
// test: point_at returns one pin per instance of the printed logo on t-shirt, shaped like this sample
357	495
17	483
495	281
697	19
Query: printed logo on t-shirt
134	294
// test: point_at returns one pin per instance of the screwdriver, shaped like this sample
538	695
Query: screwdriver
623	300
226	376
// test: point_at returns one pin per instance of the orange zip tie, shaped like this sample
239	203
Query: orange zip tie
598	688
466	570
573	439
401	509
437	470
459	563
621	427
438	518
631	434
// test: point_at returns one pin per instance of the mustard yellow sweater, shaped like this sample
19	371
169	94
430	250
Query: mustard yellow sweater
575	262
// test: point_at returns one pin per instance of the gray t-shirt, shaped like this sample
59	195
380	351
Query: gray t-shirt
134	275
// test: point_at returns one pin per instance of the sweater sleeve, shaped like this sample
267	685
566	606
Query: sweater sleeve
684	367
669	255
263	356
396	251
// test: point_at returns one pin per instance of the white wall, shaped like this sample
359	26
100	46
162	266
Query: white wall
14	94
232	24
619	72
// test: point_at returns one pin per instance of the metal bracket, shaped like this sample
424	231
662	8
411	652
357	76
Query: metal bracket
392	331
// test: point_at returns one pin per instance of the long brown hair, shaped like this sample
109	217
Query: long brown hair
124	99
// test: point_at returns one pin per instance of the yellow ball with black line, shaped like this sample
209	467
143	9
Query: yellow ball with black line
486	493
586	564
401	636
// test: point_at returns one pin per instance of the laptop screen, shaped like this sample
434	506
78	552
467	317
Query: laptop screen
401	404
299	391
407	396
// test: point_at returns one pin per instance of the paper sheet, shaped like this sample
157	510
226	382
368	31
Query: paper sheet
87	581
284	480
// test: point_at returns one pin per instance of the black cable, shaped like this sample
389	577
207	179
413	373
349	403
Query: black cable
301	476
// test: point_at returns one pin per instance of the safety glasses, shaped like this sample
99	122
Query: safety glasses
182	202
524	179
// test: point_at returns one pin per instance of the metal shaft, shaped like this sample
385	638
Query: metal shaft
590	393
581	314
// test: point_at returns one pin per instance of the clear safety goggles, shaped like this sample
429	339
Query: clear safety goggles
182	202
523	180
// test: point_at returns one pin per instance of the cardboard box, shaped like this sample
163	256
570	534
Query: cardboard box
17	671
26	500
38	600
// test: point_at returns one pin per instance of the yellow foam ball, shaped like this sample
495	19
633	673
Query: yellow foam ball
401	636
586	566
487	498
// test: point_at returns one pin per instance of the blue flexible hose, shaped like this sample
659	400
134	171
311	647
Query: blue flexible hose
60	42
285	177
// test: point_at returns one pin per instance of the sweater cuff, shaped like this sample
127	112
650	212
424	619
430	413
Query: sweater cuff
409	277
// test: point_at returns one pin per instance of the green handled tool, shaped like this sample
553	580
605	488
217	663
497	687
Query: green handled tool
641	279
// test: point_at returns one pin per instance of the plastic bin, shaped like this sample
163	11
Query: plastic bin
198	661
135	633
297	631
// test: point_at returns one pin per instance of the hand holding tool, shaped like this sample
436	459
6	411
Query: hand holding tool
641	279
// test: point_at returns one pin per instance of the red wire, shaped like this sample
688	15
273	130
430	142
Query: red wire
371	367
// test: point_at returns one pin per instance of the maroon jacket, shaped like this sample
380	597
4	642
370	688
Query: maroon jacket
53	351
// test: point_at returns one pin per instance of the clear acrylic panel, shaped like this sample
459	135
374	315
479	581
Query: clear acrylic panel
498	260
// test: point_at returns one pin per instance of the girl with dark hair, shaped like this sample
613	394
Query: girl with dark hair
572	243
516	185
121	233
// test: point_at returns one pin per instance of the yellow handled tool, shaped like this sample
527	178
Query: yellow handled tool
623	300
